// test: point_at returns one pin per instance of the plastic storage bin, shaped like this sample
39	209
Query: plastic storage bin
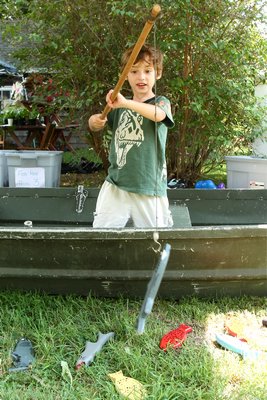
3	169
244	172
3	154
34	168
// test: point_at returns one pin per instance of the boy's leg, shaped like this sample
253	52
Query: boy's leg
150	211
112	209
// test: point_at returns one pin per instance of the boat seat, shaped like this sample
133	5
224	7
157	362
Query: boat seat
180	215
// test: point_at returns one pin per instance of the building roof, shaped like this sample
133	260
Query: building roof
7	69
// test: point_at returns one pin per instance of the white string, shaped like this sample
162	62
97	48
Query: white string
156	233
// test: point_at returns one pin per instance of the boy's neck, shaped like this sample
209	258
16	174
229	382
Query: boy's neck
142	99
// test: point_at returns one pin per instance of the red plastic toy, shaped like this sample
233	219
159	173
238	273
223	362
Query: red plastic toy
175	338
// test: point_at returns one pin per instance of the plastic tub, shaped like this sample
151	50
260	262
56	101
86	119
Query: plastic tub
246	172
34	168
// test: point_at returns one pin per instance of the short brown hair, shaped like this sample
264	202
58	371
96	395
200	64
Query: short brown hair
153	54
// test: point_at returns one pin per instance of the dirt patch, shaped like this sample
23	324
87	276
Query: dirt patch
93	179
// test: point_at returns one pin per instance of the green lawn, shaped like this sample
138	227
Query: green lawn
59	326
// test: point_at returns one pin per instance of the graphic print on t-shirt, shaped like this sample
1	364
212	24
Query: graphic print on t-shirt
128	134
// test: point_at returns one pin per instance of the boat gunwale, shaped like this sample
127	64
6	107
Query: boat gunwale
82	232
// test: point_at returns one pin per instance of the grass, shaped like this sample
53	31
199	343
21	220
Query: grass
59	326
217	175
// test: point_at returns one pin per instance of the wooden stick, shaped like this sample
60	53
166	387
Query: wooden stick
140	42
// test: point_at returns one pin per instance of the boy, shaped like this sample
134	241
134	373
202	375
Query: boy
136	185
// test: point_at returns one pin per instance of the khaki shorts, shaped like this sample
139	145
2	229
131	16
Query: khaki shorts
115	207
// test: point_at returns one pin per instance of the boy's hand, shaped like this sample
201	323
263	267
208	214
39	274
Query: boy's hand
96	123
119	102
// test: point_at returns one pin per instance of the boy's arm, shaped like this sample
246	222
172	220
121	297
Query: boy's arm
149	111
96	123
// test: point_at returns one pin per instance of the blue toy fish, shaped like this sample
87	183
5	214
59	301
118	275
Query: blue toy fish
237	346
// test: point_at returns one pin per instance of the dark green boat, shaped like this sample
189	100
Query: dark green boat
219	245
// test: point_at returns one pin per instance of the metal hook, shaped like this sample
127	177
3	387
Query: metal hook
81	196
156	240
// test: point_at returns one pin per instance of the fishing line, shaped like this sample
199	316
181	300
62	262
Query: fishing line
156	233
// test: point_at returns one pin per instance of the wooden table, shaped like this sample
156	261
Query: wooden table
34	132
62	136
60	139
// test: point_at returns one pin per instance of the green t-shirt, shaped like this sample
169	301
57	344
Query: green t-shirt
137	150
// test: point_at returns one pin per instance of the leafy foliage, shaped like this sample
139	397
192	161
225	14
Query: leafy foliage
45	96
15	111
214	84
213	56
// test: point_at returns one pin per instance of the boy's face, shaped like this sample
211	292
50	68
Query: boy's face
141	78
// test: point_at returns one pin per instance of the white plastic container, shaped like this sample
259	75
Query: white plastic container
259	146
34	168
3	169
3	154
245	172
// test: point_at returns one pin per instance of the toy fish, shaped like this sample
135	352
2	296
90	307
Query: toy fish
152	288
128	387
176	337
91	349
237	346
23	355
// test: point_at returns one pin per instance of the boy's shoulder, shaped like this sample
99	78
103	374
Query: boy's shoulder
162	100
164	103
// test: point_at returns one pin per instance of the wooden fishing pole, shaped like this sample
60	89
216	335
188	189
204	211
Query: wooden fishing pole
140	42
